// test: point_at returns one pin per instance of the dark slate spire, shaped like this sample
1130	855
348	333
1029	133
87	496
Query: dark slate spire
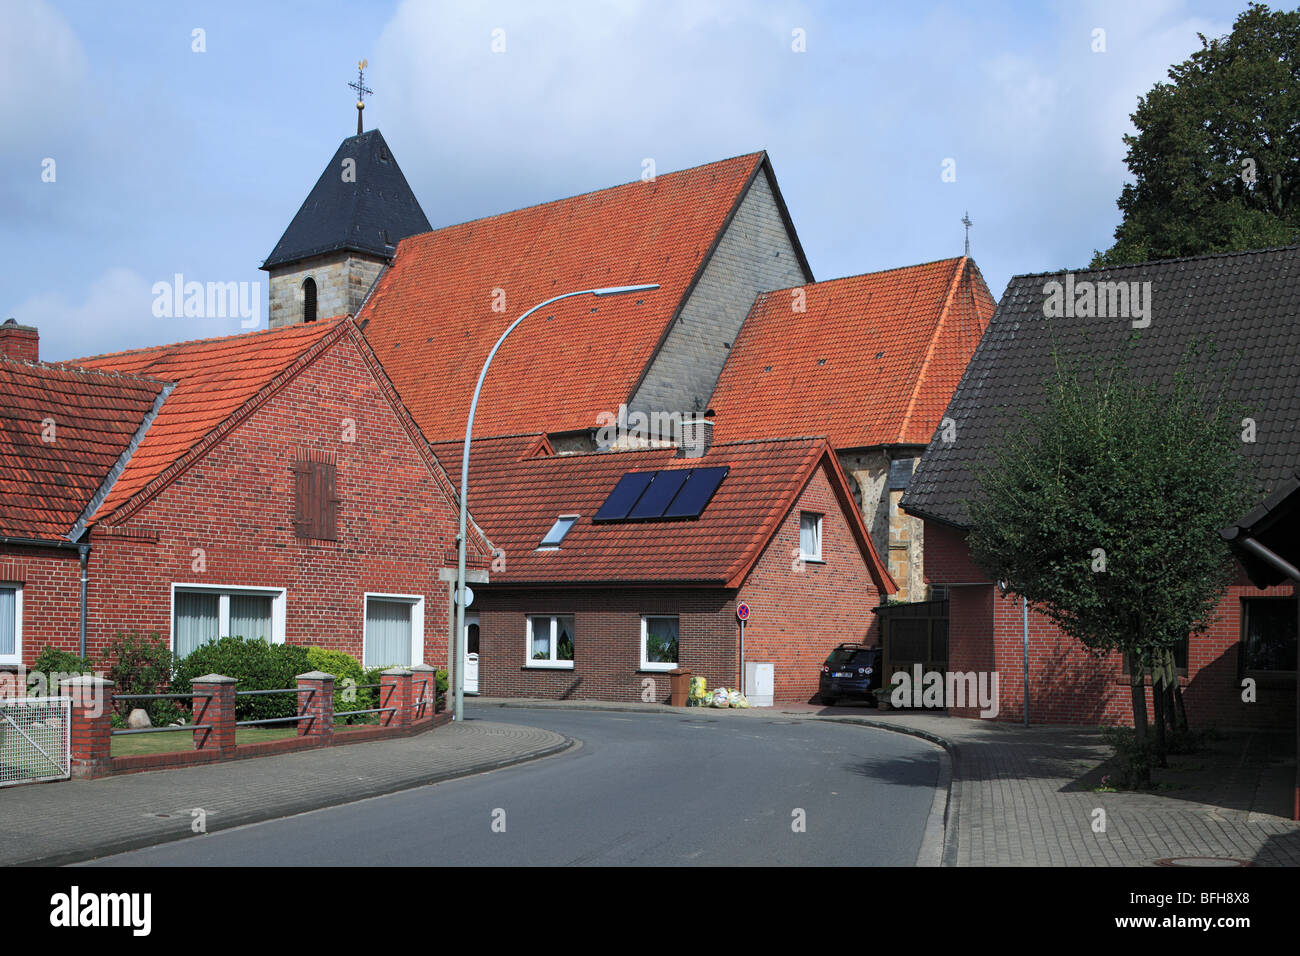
360	206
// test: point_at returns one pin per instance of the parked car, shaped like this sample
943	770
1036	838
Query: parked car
851	672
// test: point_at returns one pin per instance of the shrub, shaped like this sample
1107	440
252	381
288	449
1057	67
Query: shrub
257	665
1132	760
348	673
54	661
139	665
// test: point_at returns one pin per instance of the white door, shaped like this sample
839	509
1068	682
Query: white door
471	652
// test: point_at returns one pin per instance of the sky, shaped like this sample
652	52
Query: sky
139	140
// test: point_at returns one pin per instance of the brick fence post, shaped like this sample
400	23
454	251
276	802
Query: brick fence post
316	700
395	691
217	710
424	692
91	730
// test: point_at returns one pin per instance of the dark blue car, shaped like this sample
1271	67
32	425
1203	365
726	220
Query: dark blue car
852	672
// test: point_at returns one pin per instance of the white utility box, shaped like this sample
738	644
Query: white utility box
760	679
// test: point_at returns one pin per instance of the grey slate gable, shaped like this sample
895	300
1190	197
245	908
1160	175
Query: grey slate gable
1246	305
370	214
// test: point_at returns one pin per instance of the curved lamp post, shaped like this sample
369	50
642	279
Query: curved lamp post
458	640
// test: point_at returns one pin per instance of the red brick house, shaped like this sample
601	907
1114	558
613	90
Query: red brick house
1241	307
869	361
268	485
600	586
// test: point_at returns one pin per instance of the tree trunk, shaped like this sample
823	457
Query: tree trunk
1179	709
1138	691
1158	697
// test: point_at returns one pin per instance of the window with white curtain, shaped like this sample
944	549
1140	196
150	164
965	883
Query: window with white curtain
810	536
394	630
203	614
550	641
11	624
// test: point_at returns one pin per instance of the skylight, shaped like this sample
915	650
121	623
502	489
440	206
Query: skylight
558	530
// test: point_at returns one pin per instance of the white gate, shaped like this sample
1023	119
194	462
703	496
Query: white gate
34	739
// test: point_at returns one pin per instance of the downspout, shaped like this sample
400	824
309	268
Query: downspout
84	551
1292	572
1024	616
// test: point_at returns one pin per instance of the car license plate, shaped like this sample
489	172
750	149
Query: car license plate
841	674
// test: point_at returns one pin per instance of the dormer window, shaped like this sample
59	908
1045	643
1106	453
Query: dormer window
558	530
309	299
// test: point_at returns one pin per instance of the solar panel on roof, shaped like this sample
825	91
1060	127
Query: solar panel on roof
659	495
696	493
624	496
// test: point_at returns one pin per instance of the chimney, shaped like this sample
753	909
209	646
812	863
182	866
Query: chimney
697	435
21	342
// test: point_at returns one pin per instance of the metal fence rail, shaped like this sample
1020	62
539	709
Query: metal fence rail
35	739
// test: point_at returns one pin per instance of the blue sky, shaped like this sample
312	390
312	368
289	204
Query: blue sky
172	161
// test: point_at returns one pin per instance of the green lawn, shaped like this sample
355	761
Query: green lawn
132	745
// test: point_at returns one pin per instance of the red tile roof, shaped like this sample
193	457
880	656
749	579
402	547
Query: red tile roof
46	486
214	379
872	360
430	318
517	495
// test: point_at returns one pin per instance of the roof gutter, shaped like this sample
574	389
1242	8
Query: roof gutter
1254	547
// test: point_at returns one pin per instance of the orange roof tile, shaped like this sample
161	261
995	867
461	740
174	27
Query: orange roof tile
214	378
516	495
431	322
62	432
871	360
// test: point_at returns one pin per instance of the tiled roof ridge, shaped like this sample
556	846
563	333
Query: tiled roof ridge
87	372
200	448
73	363
918	380
1294	247
865	275
759	154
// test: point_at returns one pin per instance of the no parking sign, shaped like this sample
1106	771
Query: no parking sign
742	611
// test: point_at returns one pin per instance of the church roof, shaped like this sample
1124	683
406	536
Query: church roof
449	294
865	360
368	212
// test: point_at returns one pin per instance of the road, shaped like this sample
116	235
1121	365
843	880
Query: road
640	789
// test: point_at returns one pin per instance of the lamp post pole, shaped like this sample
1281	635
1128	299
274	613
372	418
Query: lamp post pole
458	639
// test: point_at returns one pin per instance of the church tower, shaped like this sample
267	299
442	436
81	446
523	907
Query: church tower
344	233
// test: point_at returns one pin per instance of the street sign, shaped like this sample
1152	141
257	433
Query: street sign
742	611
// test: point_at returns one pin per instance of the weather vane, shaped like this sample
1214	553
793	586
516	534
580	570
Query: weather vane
965	220
362	90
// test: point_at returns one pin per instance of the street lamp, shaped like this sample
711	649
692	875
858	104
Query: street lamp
458	640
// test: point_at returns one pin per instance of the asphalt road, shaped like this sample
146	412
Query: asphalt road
642	789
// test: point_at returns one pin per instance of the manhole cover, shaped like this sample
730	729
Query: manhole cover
1203	861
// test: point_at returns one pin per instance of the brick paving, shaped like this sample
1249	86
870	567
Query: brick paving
1023	796
77	820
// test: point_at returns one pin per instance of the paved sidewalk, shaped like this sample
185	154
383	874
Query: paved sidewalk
1024	796
76	820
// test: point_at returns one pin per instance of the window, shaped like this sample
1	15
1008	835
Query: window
659	643
201	614
315	499
550	641
1268	629
309	299
810	536
394	635
558	530
11	624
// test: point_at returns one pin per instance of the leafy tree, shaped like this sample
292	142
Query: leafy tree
1103	506
1216	160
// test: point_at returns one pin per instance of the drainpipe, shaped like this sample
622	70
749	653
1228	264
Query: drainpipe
84	551
1024	617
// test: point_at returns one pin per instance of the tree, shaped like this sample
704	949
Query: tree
1216	160
1102	508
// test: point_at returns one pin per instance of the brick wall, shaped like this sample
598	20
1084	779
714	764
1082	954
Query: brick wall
803	609
606	640
51	604
228	521
755	254
1069	686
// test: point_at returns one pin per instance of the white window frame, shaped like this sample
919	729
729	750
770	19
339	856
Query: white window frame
804	555
417	622
224	592
572	519
552	663
17	656
647	665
